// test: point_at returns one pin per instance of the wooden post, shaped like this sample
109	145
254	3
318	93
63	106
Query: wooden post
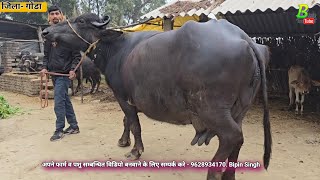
40	39
167	24
81	85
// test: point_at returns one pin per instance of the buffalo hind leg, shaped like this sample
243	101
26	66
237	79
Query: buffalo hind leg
125	141
230	140
132	121
93	84
78	86
138	148
229	174
98	84
72	88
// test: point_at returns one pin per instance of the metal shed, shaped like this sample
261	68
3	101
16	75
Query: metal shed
18	36
269	17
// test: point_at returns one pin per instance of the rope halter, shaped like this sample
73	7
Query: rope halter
91	45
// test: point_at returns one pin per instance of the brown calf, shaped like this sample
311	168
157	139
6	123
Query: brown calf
300	82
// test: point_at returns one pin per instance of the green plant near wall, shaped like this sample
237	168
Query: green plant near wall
6	110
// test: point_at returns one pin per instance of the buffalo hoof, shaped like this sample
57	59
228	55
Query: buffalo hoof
228	176
214	175
134	154
124	143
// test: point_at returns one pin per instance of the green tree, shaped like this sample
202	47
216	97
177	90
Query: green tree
122	12
125	12
68	7
95	6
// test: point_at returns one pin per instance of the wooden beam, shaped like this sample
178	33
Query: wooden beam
167	24
41	44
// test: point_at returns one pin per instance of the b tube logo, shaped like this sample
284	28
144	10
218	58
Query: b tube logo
304	16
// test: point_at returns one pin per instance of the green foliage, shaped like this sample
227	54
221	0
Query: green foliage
6	110
122	12
67	6
125	12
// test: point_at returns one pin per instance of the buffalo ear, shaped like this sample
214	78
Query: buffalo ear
109	34
295	82
315	83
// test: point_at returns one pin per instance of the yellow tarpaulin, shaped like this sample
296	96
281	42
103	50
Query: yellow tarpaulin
156	24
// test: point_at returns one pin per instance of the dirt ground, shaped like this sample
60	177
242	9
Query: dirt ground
24	142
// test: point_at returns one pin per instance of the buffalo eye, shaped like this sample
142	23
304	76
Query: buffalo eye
82	21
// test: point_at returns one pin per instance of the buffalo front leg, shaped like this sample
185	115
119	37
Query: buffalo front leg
132	121
125	141
230	140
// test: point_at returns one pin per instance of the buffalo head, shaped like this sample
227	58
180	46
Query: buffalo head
87	26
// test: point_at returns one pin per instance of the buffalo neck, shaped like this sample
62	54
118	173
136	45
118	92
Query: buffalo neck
111	55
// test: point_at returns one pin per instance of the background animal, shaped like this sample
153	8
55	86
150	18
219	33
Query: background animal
91	73
300	83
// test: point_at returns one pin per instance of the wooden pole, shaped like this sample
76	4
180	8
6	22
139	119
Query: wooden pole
40	39
167	24
81	85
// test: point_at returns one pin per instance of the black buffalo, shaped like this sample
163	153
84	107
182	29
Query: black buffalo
204	74
91	73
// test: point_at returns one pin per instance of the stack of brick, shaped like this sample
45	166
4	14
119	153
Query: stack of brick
21	83
9	51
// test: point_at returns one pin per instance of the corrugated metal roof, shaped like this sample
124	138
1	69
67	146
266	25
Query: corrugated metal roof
18	30
23	23
233	6
255	17
184	8
274	23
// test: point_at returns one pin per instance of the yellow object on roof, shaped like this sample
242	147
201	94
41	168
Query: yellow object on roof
157	24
